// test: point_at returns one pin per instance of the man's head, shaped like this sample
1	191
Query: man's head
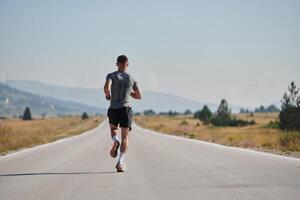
122	62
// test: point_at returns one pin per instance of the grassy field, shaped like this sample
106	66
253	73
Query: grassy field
257	136
16	134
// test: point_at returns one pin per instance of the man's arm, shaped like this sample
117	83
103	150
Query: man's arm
106	89
136	94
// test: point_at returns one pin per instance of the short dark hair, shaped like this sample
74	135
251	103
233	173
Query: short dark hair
122	59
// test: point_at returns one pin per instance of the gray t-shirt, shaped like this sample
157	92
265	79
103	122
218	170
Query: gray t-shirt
121	87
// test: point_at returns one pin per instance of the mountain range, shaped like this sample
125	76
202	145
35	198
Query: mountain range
13	103
157	101
94	97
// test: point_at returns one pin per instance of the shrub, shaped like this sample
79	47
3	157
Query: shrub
183	123
220	121
239	122
272	124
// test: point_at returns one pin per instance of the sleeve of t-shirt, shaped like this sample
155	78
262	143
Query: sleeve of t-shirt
108	76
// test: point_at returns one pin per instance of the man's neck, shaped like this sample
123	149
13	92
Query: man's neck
120	70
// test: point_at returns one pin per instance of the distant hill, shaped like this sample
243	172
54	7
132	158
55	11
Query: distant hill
94	97
163	102
13	103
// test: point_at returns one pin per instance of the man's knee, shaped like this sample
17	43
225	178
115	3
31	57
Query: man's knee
113	127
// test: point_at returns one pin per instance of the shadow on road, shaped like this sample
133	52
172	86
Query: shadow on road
56	173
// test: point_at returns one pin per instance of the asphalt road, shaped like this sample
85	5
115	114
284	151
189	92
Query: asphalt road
158	167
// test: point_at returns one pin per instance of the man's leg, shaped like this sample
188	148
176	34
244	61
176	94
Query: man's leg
116	144
113	132
124	144
125	124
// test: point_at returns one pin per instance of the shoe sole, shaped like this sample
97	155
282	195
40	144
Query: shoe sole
119	168
114	150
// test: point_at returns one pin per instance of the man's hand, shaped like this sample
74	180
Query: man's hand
108	98
136	94
106	89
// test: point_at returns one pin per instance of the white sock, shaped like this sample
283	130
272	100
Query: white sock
115	138
121	158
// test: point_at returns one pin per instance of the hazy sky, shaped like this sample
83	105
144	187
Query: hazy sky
244	51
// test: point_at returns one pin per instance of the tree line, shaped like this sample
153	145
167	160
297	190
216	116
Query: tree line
289	115
222	117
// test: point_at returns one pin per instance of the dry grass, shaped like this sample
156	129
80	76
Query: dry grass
16	134
255	136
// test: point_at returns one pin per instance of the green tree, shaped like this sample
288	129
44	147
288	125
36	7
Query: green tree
84	116
272	108
172	113
260	109
223	109
27	114
289	116
149	112
204	115
188	112
242	110
223	117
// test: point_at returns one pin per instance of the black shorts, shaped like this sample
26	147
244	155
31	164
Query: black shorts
122	116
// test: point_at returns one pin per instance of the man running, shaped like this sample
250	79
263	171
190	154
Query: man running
118	88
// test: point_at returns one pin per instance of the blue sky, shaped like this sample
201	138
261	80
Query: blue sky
244	51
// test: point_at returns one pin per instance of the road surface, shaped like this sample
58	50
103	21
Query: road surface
158	167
